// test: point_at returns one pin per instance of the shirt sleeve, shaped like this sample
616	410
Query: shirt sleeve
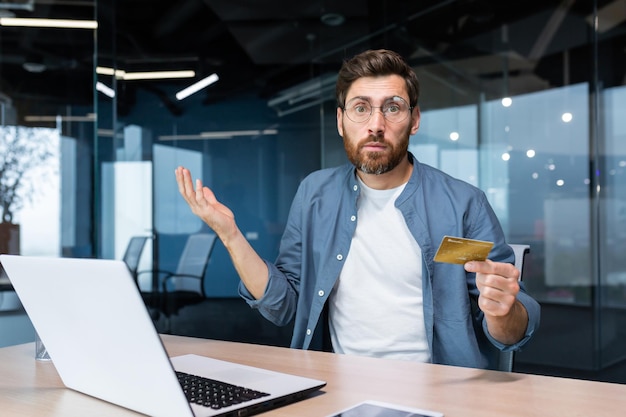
278	303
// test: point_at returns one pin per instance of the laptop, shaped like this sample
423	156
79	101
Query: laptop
101	339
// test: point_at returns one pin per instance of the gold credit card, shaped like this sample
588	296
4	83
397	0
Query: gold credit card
458	250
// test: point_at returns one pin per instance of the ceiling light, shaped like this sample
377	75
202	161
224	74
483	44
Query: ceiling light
146	75
34	67
194	88
224	134
110	71
86	118
49	23
105	89
233	133
105	132
157	75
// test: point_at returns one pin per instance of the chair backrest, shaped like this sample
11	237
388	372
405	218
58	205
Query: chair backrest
133	253
505	360
194	260
520	256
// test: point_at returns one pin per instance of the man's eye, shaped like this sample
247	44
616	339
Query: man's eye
359	108
393	108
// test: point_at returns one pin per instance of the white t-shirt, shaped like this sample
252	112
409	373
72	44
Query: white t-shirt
376	306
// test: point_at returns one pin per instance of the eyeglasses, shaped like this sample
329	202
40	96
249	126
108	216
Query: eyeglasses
394	109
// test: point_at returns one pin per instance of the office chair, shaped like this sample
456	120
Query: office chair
505	359
185	286
132	255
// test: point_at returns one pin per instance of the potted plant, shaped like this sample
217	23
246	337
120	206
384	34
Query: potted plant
22	150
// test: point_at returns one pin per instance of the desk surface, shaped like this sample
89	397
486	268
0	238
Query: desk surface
29	387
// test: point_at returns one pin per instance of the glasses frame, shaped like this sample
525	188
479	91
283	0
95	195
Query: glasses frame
391	99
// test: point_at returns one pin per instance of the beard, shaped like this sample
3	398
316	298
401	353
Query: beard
377	162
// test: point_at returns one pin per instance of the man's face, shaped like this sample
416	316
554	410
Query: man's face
377	145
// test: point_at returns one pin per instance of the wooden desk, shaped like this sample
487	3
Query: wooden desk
29	388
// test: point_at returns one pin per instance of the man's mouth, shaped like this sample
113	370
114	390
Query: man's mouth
374	147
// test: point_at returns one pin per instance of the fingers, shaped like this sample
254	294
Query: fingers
493	268
183	179
198	191
498	285
196	196
204	204
186	187
497	275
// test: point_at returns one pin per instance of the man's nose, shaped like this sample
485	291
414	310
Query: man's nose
377	120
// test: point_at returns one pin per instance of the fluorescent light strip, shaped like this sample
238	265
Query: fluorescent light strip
105	132
105	89
88	118
156	75
110	71
194	88
186	137
147	75
226	134
233	133
49	23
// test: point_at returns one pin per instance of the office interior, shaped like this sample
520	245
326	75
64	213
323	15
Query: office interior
525	100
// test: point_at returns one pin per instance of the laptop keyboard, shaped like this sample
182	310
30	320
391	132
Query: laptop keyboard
214	394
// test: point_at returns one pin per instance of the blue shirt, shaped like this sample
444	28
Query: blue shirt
317	238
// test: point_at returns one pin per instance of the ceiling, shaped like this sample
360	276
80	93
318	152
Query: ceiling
270	46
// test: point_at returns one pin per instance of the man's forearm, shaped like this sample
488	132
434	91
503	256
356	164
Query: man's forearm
251	268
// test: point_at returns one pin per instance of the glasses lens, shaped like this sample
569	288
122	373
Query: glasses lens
394	109
358	110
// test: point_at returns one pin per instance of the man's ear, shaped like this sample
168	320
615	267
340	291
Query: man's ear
415	118
340	121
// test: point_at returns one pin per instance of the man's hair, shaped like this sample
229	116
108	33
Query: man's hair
375	63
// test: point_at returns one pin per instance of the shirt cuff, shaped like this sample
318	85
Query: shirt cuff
533	309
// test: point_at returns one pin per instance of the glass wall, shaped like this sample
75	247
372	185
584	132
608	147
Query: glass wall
47	122
528	112
523	100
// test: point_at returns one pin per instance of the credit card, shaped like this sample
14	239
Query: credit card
458	250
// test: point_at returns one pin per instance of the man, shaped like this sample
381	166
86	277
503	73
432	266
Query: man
355	266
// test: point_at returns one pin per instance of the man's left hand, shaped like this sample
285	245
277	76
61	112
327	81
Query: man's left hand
498	285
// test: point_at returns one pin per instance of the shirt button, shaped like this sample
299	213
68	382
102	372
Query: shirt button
356	187
320	293
352	218
339	257
308	332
